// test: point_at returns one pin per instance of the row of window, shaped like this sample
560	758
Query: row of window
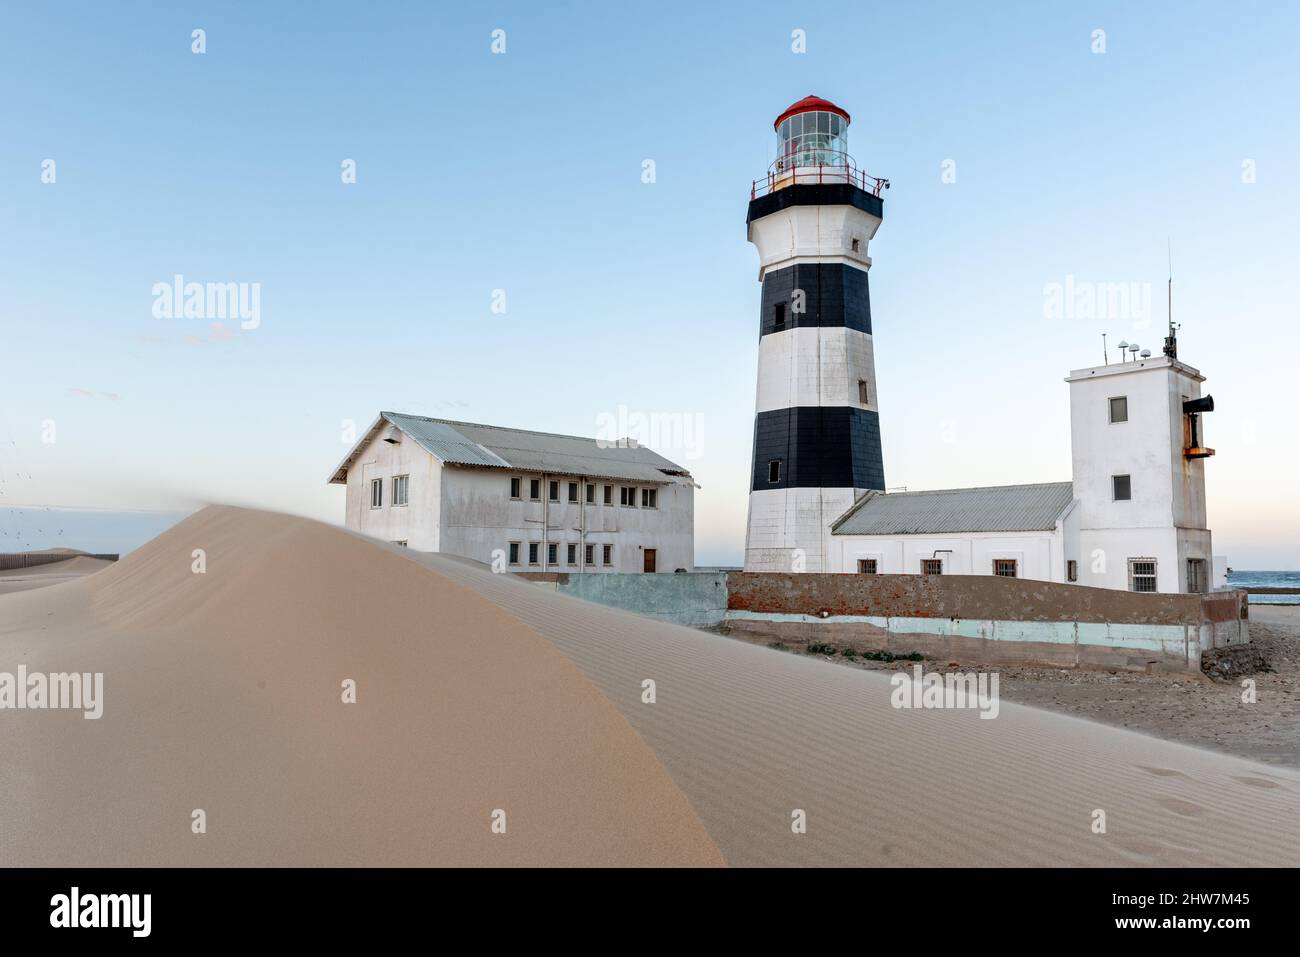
1141	571
627	494
1003	567
401	491
553	553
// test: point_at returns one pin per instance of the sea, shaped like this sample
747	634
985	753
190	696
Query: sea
1240	578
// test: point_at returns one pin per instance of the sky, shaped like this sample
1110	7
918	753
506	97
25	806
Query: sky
504	256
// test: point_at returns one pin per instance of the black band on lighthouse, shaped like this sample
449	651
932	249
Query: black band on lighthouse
818	447
834	294
815	194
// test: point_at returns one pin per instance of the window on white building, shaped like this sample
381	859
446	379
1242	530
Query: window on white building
402	543
649	498
866	566
1196	575
553	491
609	495
534	489
376	493
571	553
863	395
514	553
1004	567
516	487
1141	574
589	553
1071	571
627	496
532	553
401	483
553	553
573	491
591	494
607	554
1119	408
932	566
1121	487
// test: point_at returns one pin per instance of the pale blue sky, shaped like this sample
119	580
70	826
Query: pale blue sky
522	172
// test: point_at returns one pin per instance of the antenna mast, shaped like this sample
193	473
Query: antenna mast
1171	340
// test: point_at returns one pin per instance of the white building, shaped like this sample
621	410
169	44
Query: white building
1133	518
532	501
1018	531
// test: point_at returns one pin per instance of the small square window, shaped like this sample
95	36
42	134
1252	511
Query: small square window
774	471
1142	574
1119	408
1004	567
514	553
607	554
532	553
1121	487
553	553
866	566
571	553
516	487
534	489
932	566
553	490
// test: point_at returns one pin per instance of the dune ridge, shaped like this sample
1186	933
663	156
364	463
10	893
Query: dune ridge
478	691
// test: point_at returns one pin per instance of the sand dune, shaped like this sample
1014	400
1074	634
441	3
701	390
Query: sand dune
41	576
478	692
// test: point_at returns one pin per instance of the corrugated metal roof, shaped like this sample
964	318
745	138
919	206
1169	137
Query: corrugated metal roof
1001	508
468	443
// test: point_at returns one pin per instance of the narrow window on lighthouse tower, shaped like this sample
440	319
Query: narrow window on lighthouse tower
774	471
780	315
862	392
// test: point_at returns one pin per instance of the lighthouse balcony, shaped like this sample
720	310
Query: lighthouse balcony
816	168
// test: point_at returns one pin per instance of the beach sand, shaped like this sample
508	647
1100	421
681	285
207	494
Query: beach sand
478	692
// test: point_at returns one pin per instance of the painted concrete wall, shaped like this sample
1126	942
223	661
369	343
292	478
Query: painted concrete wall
478	517
415	523
987	618
815	366
971	553
788	528
813	234
697	600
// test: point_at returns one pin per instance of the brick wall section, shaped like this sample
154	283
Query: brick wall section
972	597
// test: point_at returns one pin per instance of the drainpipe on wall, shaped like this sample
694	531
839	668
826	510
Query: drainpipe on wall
546	521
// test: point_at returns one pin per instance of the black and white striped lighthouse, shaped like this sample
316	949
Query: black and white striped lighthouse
816	427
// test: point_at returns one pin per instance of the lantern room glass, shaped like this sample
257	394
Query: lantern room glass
815	138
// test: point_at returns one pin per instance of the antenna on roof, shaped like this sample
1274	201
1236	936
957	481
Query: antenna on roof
1171	340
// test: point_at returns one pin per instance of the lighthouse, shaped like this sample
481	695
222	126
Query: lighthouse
816	422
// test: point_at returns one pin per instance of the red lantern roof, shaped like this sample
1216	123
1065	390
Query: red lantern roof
810	104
